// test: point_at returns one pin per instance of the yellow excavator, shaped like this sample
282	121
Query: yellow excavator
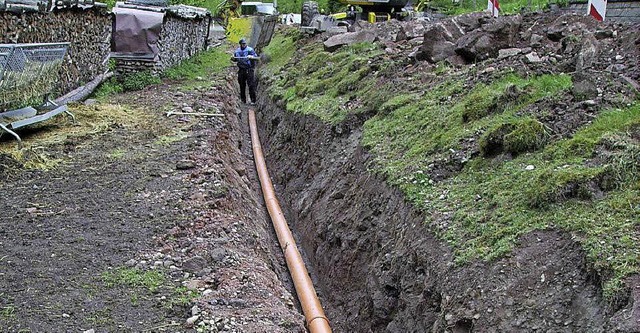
254	21
371	11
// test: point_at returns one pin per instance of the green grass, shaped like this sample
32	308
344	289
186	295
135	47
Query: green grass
7	312
102	317
514	136
521	180
132	277
506	7
141	282
420	125
493	203
211	5
321	83
280	50
181	297
201	66
128	82
172	138
108	88
195	71
117	153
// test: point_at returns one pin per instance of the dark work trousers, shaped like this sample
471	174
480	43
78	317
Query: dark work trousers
246	77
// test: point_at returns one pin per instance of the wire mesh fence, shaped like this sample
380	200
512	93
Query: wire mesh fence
28	72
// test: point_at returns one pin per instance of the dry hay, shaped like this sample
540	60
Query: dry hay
28	86
43	145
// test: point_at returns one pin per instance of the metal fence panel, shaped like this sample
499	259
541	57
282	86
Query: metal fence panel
28	71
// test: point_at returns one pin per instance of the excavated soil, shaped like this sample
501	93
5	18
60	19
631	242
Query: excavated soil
81	244
190	209
381	269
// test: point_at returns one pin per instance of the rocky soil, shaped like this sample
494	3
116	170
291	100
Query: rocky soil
134	232
363	239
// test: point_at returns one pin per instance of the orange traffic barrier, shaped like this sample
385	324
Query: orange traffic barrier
316	321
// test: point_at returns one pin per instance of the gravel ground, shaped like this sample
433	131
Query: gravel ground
149	224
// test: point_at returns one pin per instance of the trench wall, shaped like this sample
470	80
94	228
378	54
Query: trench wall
381	269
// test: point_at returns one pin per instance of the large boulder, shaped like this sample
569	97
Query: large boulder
475	46
470	21
337	41
411	29
486	41
440	38
438	44
587	54
583	87
387	31
572	24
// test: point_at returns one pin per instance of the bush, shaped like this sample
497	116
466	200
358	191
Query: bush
138	81
108	88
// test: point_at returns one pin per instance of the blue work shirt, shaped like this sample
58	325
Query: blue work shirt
241	57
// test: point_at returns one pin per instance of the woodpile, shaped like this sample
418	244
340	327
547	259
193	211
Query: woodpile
129	66
88	31
181	39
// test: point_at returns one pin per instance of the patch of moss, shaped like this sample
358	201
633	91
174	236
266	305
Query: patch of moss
564	183
131	277
514	136
325	107
138	81
406	137
397	102
128	82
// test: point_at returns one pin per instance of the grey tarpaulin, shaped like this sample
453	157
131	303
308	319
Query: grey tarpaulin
136	33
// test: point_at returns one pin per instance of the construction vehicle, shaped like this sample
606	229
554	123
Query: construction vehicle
254	21
372	11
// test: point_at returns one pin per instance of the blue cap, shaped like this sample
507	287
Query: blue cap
243	41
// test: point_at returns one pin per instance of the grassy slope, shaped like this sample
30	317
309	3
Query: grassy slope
482	210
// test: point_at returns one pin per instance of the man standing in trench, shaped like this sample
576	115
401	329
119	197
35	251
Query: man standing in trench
245	57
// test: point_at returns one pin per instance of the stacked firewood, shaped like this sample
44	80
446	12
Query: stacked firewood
126	66
181	39
88	31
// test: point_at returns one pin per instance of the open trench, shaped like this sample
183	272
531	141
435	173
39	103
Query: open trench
378	268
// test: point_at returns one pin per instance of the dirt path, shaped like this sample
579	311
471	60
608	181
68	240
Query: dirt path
154	225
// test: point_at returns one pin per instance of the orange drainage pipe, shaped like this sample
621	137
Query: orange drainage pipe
317	322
